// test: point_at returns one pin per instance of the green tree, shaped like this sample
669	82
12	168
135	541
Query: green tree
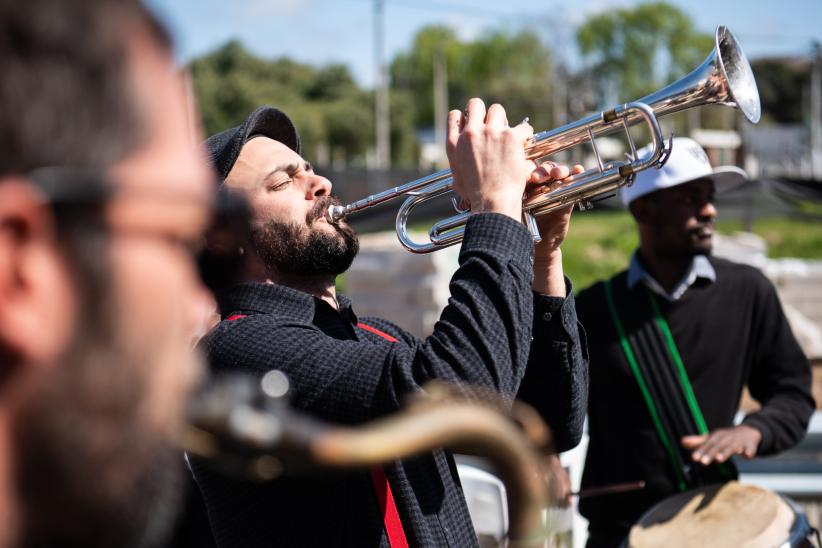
634	51
514	70
404	146
509	68
334	114
326	104
413	71
782	86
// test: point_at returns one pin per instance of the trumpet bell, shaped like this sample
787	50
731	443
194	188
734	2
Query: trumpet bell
737	73
724	77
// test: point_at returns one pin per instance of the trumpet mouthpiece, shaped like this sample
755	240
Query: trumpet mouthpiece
335	213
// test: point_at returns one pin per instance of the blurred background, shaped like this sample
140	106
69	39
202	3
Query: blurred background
369	83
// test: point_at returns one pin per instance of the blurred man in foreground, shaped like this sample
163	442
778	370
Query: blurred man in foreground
510	310
102	198
674	339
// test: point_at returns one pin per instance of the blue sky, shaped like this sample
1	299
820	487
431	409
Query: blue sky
323	31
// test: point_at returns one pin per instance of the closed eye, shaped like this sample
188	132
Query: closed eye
283	175
278	185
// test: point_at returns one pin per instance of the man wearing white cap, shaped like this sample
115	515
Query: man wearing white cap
674	339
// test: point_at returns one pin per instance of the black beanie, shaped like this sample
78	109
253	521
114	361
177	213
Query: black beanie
223	148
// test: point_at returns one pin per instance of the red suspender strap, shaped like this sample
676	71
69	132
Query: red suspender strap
234	317
376	331
388	508
390	516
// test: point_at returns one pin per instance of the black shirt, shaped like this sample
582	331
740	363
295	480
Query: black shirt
493	327
730	333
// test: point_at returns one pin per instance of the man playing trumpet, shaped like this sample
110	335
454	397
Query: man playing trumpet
511	311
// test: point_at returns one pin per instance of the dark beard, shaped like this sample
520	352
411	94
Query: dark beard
90	471
292	249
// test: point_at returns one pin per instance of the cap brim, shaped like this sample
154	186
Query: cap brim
727	178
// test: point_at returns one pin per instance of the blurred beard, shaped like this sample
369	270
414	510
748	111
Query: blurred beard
293	249
91	471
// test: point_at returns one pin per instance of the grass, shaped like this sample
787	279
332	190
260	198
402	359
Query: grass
600	243
786	237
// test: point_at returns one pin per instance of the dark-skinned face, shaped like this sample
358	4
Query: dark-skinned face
679	221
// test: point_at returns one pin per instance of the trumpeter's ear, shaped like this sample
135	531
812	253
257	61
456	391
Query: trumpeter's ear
37	301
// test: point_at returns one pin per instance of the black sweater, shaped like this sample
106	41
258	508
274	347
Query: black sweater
730	333
493	327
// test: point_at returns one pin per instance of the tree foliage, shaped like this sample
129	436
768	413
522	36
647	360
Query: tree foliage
509	68
782	89
630	52
326	104
634	51
330	109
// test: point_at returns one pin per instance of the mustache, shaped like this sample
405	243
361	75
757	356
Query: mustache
320	209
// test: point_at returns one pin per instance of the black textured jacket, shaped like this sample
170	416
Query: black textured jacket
730	334
493	326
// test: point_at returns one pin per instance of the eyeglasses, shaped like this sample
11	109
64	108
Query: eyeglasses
77	196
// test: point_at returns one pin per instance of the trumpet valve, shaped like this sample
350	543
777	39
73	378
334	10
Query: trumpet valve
531	224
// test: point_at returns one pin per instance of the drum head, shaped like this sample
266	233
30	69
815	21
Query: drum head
716	516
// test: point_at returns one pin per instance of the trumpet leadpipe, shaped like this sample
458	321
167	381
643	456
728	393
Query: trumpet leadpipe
337	213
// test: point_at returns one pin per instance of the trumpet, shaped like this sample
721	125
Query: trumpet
723	78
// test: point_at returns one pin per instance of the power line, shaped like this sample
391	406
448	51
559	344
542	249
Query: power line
446	7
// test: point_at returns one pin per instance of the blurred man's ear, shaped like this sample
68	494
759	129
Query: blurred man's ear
37	304
643	210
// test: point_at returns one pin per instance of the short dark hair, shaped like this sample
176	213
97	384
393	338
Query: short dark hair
65	97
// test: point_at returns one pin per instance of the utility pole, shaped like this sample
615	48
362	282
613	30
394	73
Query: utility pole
816	112
440	101
381	113
559	86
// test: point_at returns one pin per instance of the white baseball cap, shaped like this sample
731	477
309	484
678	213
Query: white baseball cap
688	162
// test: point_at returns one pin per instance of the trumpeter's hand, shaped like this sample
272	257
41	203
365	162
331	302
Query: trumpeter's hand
553	228
488	158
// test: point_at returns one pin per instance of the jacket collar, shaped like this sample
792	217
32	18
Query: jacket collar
266	298
700	268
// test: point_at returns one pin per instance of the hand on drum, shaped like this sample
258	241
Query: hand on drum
722	444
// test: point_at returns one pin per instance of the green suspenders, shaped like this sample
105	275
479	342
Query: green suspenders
684	385
683	376
643	388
